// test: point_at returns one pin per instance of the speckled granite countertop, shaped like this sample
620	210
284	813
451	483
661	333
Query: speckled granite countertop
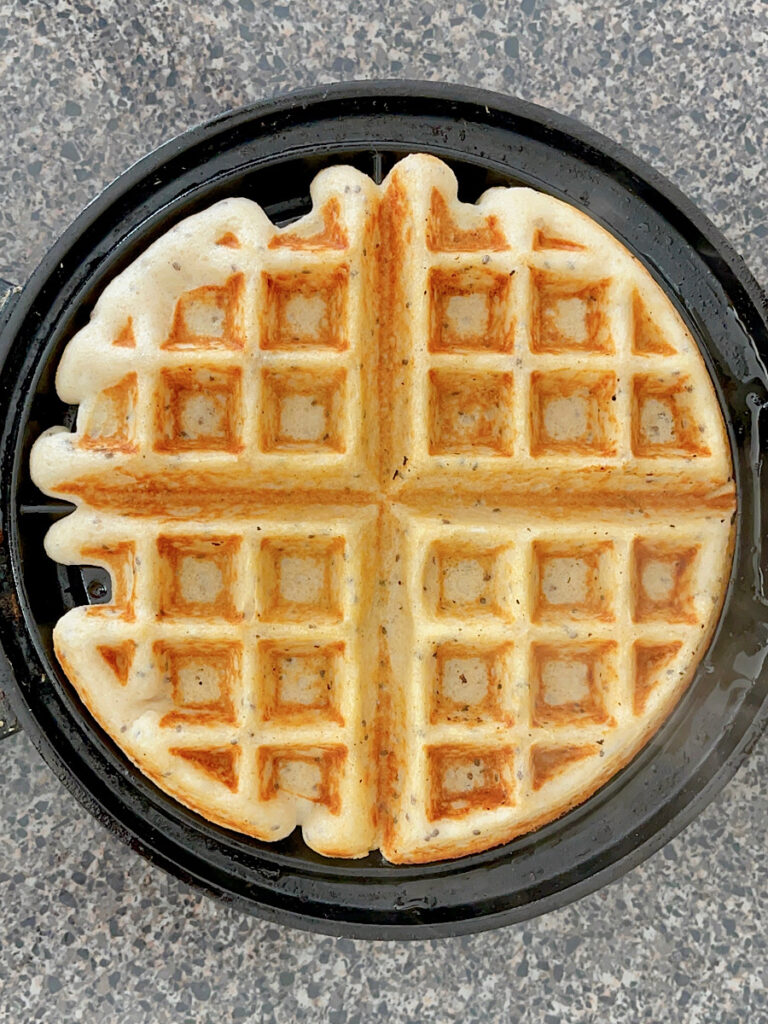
89	930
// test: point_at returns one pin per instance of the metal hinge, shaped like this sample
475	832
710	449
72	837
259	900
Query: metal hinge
9	723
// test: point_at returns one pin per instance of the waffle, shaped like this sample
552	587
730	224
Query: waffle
418	515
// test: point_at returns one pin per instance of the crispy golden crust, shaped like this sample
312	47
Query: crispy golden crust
417	515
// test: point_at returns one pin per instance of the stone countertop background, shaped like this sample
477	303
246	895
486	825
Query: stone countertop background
90	931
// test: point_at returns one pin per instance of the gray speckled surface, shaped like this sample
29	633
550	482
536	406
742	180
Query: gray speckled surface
90	931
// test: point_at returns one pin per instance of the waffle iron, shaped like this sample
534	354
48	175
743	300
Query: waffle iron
270	152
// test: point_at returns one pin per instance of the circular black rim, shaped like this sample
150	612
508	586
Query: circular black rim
489	139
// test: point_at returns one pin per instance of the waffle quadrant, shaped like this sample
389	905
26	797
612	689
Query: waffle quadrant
417	514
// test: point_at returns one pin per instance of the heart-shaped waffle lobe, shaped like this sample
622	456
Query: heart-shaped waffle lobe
418	515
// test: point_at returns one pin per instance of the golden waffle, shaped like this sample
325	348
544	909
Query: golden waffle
417	514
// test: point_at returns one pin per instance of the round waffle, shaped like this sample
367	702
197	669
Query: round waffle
418	515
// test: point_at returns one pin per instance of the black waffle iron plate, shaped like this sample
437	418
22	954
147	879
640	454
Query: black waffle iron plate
271	152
